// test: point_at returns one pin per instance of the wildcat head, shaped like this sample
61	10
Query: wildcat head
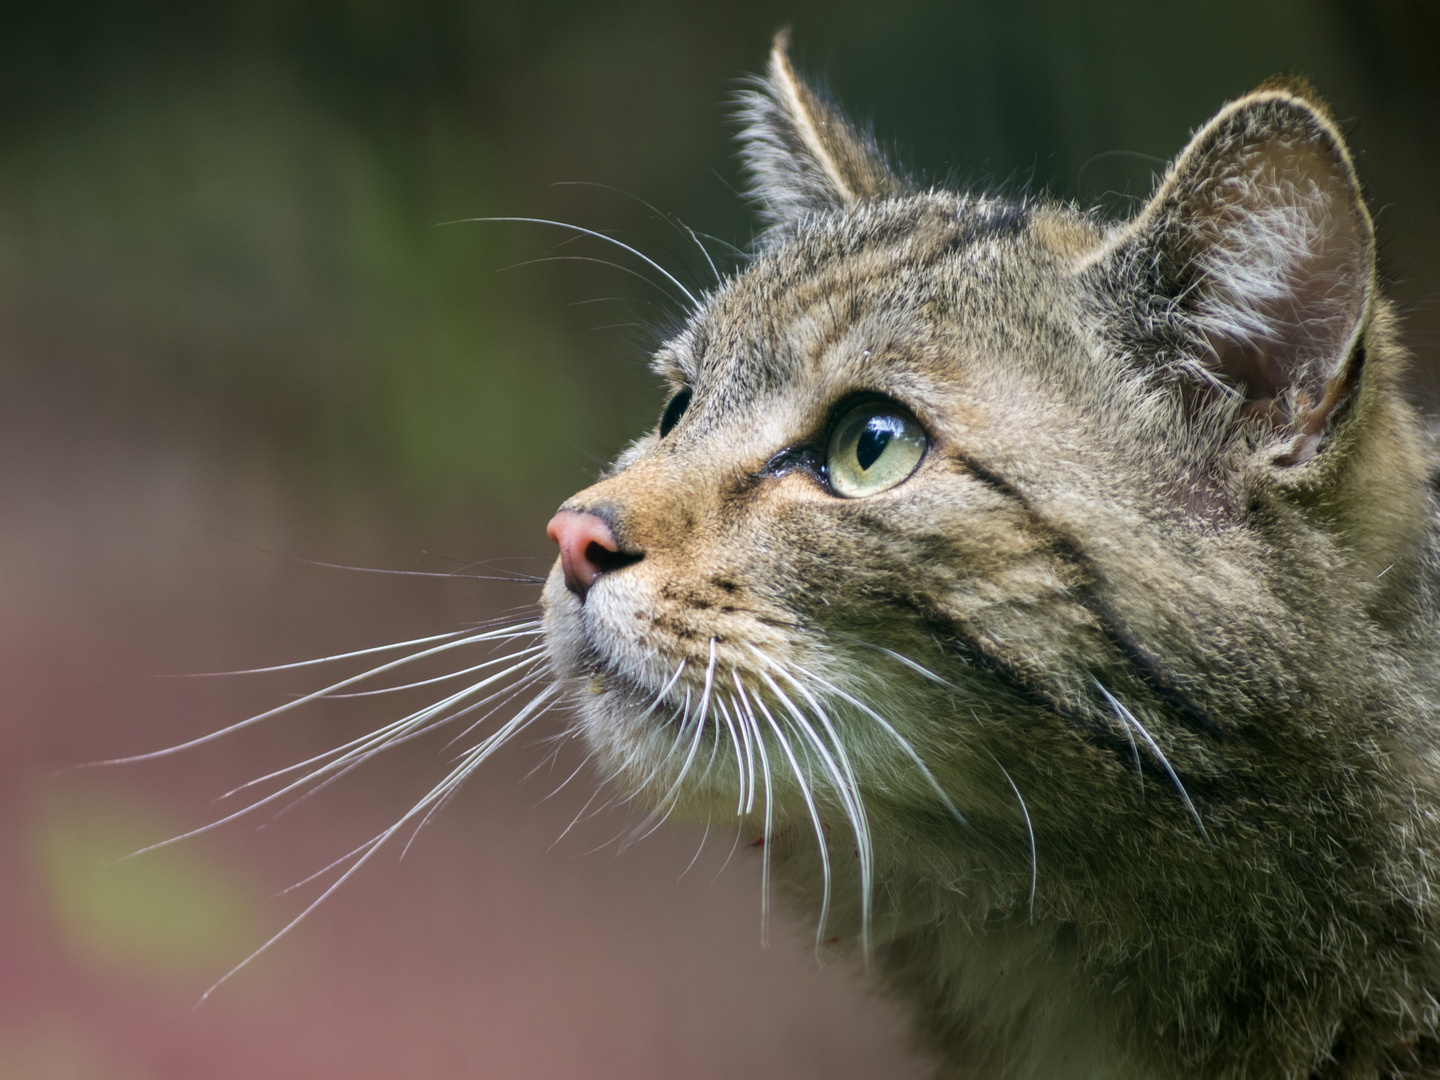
1001	552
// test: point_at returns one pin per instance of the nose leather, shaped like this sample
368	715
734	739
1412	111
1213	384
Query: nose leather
588	548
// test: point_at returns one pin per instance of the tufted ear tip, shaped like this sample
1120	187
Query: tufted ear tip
780	48
802	156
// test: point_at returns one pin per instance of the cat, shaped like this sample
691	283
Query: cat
1051	602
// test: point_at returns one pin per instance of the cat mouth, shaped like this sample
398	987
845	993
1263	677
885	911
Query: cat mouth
632	639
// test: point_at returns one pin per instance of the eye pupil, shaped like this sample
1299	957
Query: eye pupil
871	445
673	411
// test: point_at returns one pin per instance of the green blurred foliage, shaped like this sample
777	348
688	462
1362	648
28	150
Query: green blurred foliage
170	915
223	217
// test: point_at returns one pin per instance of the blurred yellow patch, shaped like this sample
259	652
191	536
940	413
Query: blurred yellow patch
174	913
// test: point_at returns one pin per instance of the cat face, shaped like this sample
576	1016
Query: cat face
812	509
959	498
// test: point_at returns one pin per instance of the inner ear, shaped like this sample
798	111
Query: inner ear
1266	251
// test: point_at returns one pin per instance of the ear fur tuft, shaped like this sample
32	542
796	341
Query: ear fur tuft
801	155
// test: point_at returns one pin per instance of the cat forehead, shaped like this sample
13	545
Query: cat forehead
871	282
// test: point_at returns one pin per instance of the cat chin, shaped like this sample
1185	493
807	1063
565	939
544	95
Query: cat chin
597	641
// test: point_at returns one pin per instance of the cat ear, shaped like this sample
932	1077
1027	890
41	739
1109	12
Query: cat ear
801	155
1259	248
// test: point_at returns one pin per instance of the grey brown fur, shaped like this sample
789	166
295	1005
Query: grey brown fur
1107	738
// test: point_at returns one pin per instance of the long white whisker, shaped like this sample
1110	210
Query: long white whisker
382	735
591	259
354	761
733	848
315	696
744	729
669	219
472	758
809	798
501	698
308	878
440	678
350	753
565	783
696	857
1029	831
661	811
739	757
889	729
370	651
679	717
451	780
666	805
919	669
847	788
639	750
1127	717
767	837
589	232
578	817
704	251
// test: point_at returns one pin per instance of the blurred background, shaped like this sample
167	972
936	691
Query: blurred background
237	343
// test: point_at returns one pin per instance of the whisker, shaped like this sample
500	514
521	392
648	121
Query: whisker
588	232
563	783
1029	831
1127	717
438	678
405	724
308	878
350	755
749	759
842	777
506	694
471	760
696	857
679	717
809	798
733	848
578	817
919	669
591	259
767	837
451	780
739	758
900	740
663	808
372	650
508	576
669	219
295	703
639	750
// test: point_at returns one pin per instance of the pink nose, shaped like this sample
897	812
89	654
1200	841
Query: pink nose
587	549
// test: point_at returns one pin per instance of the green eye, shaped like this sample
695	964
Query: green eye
875	446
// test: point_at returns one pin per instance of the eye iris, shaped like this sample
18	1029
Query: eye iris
873	441
673	411
873	447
